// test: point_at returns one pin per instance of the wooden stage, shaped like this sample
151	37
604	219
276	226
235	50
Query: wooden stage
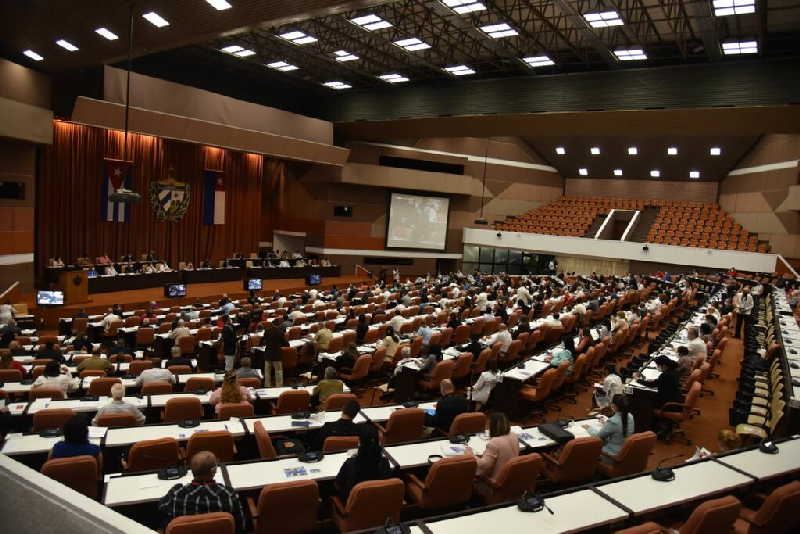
140	298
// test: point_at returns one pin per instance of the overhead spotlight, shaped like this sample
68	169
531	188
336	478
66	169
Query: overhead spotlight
632	150
560	150
583	171
108	34
655	173
33	55
672	151
595	150
694	174
715	151
617	172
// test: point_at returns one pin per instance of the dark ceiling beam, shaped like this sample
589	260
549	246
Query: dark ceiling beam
559	33
521	26
577	20
633	14
702	14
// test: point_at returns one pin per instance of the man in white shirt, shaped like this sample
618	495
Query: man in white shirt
503	336
552	320
743	303
117	405
524	295
696	345
180	331
397	322
296	314
156	374
111	317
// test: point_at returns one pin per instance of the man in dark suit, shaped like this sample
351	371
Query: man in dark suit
448	407
176	358
344	426
51	351
273	341
475	346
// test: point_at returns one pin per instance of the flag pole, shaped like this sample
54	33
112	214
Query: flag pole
128	82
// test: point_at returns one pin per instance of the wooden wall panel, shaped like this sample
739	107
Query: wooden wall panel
642	189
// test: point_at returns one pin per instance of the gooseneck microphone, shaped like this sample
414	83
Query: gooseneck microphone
664	474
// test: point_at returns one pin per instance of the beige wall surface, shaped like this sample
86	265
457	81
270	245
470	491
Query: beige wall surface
641	189
24	85
17	164
754	195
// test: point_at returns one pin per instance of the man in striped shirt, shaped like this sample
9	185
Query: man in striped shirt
203	494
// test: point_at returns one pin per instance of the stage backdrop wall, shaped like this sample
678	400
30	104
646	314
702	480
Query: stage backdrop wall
68	207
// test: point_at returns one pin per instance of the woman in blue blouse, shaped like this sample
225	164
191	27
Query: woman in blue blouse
76	441
567	354
616	429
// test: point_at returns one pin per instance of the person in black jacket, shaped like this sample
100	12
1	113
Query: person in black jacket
667	383
361	329
368	464
51	351
81	343
273	341
474	346
448	407
176	358
344	426
228	342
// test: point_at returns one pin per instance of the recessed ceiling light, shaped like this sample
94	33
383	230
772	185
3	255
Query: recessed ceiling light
694	174
630	54
715	151
108	34
595	150
67	45
632	150
732	48
371	22
393	78
412	45
344	55
33	55
498	31
724	8
603	20
459	70
298	38
538	61
337	85
560	150
617	172
155	19
655	173
463	7
230	49
244	53
672	151
219	5
583	171
282	66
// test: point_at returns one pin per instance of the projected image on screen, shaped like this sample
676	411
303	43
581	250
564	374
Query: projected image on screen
417	222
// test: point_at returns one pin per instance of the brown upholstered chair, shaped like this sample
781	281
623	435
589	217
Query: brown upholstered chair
687	409
468	423
10	375
716	515
102	386
213	523
51	418
300	497
448	484
777	514
199	383
369	505
646	528
632	458
145	337
442	370
116	420
46	393
577	462
236	409
541	390
178	409
516	477
152	454
180	369
265	448
188	344
295	400
91	372
463	366
136	367
80	473
159	387
405	424
220	442
360	369
250	382
338	400
340	443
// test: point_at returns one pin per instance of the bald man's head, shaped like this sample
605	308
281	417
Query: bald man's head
117	391
204	465
446	387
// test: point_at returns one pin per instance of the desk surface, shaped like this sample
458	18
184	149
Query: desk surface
416	454
571	512
382	413
159	401
692	482
81	405
17	444
119	437
255	475
123	490
763	465
284	423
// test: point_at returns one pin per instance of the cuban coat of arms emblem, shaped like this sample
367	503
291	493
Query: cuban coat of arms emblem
169	198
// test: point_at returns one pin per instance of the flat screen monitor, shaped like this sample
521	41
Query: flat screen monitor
252	284
49	298
313	280
91	273
417	221
172	291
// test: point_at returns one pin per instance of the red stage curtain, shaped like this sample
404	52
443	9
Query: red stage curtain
69	191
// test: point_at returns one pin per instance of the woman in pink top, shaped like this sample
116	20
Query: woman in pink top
503	445
230	392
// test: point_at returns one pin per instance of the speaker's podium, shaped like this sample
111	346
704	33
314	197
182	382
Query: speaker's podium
75	285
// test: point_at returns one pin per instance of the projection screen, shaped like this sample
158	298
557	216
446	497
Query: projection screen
417	221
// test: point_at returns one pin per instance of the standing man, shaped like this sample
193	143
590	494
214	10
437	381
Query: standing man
228	342
273	340
743	305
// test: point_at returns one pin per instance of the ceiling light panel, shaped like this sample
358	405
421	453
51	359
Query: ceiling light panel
108	34
371	22
393	78
583	171
715	151
344	55
459	70
298	38
412	45
560	150
655	173
630	54
155	19
604	19
244	53
633	151
617	172
725	8
733	48
231	49
66	45
694	174
672	151
33	55
595	150
462	7
219	5
538	61
337	85
498	31
282	66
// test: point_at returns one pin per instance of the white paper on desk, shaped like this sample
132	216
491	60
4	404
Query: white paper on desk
516	429
97	432
147	483
15	435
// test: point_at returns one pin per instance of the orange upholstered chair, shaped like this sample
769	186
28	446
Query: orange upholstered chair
220	442
632	458
687	408
136	367
360	369
199	383
102	386
236	409
116	420
340	443
296	400
777	514
180	369
646	528
178	409
405	424
369	505
441	371
152	454
448	484
301	497
80	473
338	400
516	477
213	523
159	387
717	515
10	375
468	423
250	382
265	448
46	393
576	463
51	418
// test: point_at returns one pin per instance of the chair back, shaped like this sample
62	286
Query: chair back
632	458
180	369
250	382
102	386
136	367
220	442
159	387
716	515
10	375
338	400
289	358
265	448
442	370
561	376
51	418
516	477
483	358
80	473
468	423
463	365
361	367
178	409
645	528
235	409
301	497
153	454
340	443
449	482
778	513
295	400
405	424
199	383
545	385
691	399
461	334
371	503
45	393
187	344
578	460
378	359
91	372
116	420
212	523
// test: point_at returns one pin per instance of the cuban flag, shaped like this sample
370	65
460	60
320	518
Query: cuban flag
213	198
116	175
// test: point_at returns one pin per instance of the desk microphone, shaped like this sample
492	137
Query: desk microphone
664	474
